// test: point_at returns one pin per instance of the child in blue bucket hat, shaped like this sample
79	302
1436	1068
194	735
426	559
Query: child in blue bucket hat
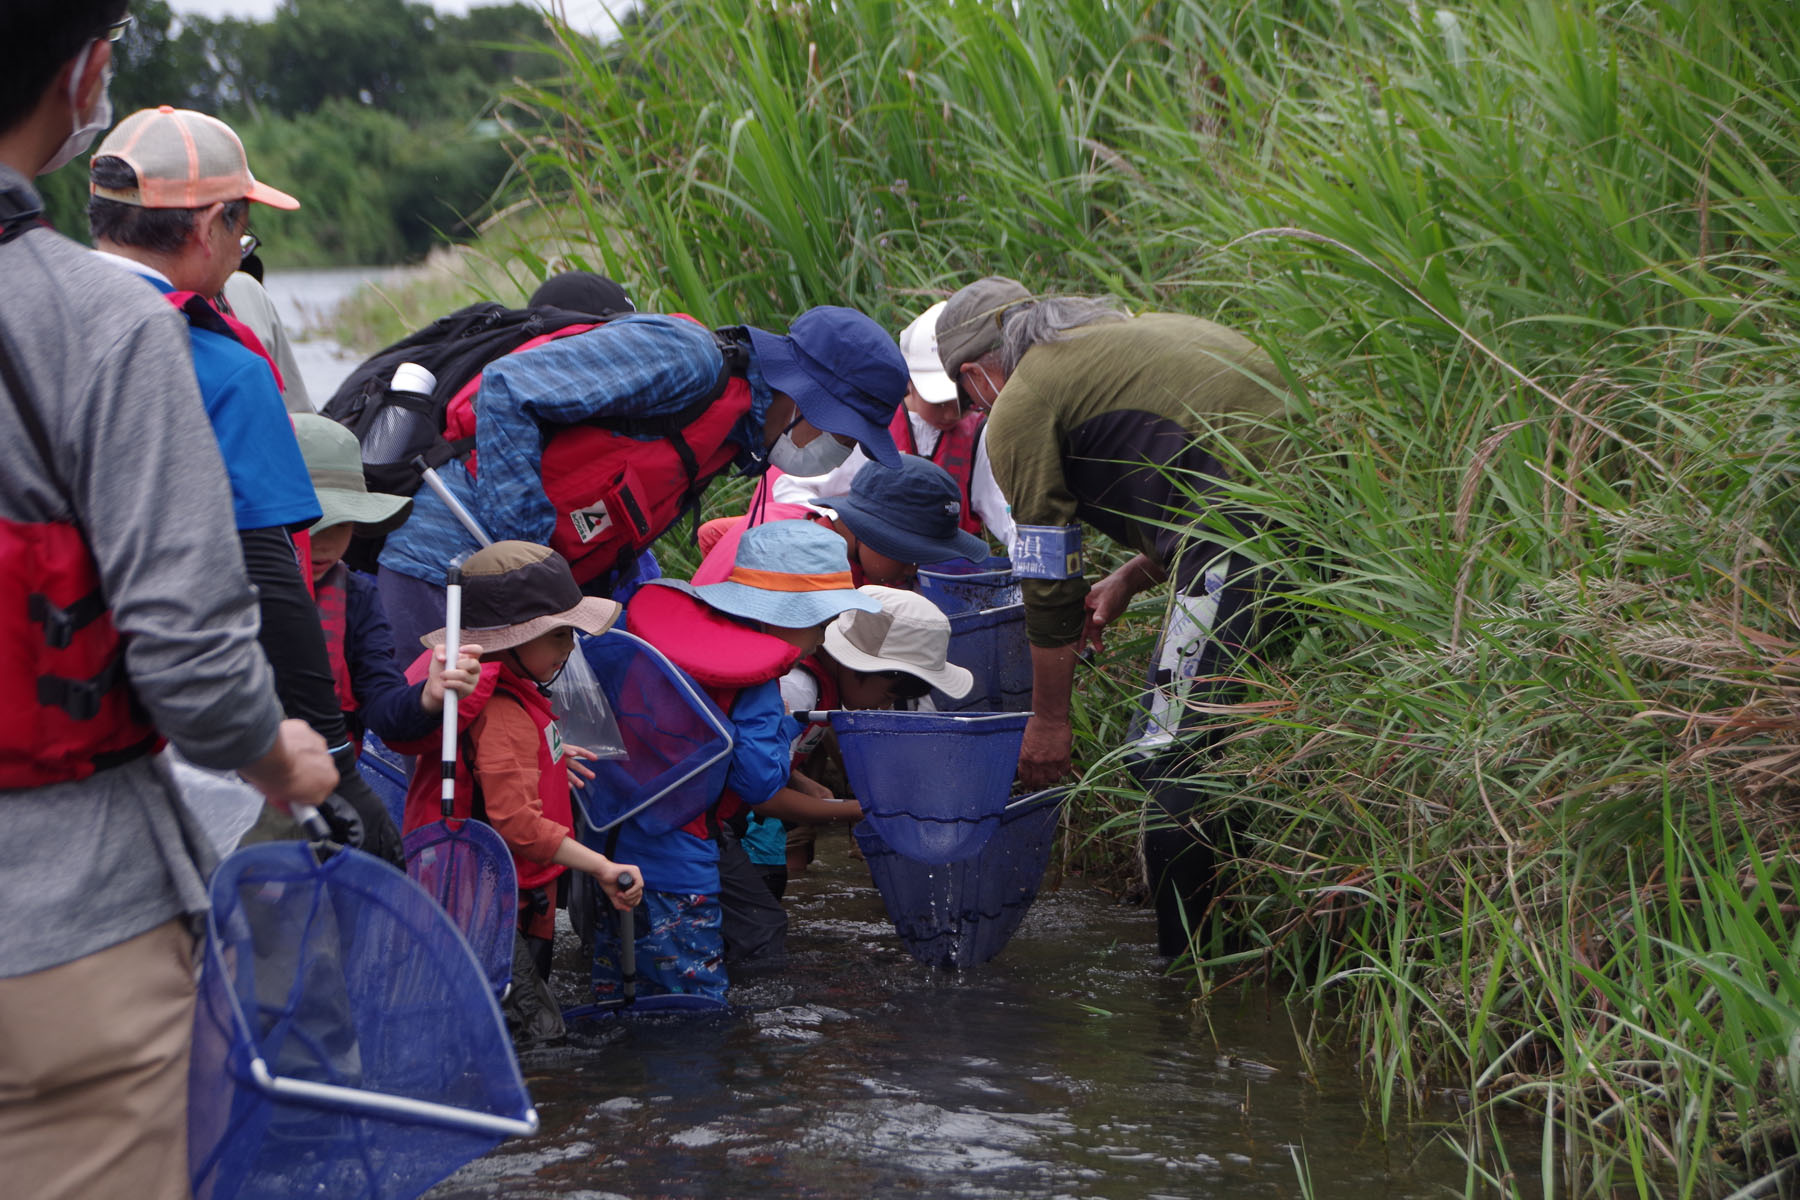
705	905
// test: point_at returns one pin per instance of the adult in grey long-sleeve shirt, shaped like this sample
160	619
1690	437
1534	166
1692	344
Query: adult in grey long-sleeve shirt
89	864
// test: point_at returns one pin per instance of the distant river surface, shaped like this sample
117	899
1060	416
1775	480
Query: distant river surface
305	300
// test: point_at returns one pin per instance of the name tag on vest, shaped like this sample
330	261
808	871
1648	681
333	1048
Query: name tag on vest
553	738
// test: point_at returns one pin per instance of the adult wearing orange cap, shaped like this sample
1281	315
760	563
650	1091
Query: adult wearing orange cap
170	195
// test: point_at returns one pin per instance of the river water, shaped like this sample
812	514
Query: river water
305	300
1070	1066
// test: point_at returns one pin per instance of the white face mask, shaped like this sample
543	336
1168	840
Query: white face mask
820	456
85	131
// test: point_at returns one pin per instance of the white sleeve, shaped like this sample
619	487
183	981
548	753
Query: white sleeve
804	489
985	497
799	691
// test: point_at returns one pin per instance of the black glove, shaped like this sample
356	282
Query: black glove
358	817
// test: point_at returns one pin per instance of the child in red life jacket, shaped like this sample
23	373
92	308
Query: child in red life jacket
371	690
708	908
889	659
522	605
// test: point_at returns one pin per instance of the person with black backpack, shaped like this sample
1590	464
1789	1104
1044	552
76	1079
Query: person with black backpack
595	444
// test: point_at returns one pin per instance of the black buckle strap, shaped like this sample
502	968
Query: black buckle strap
80	698
62	624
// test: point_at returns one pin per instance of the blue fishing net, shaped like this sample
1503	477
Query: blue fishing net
467	869
387	773
960	914
677	743
348	975
931	784
964	585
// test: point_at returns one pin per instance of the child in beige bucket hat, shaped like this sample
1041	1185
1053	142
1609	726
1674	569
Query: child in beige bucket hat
869	660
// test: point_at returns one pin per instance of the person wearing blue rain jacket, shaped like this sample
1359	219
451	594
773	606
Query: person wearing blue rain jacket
597	443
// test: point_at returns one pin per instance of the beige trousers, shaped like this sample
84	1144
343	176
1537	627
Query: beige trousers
93	1073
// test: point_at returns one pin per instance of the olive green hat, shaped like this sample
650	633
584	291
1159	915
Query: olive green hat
334	460
969	326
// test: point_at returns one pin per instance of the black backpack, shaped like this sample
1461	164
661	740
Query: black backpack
454	348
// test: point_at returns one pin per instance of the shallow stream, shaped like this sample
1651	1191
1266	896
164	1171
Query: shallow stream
1067	1067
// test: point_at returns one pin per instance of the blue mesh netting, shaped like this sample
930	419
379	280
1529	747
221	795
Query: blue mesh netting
677	744
344	973
961	914
963	585
467	869
931	784
387	772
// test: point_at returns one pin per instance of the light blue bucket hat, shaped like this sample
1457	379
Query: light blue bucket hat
793	574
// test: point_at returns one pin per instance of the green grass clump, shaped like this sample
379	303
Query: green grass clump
1517	796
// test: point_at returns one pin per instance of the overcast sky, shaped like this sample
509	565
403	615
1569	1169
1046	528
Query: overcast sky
588	15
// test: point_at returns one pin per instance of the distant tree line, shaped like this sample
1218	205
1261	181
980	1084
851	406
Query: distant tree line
377	114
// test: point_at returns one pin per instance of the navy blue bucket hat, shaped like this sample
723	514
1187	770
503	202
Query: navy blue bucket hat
910	513
843	370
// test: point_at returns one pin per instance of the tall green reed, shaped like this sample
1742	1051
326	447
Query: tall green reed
1518	791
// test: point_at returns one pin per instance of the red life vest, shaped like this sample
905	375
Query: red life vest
424	795
66	705
955	453
67	708
615	494
332	595
723	655
828	699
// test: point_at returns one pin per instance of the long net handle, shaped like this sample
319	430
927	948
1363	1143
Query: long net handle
627	946
452	650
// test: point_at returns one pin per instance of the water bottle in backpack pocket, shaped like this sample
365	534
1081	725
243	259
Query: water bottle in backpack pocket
405	423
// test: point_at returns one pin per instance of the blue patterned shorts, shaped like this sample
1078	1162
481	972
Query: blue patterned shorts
680	948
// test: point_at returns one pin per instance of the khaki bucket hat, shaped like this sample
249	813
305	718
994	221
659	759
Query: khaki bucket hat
515	591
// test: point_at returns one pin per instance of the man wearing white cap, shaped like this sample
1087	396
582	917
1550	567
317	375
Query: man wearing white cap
169	200
933	424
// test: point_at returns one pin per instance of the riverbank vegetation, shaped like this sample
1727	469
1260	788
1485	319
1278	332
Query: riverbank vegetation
379	115
1516	799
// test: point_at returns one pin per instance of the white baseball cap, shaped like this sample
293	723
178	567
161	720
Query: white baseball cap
909	634
918	345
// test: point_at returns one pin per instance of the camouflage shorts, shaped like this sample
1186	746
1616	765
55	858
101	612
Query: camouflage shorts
680	948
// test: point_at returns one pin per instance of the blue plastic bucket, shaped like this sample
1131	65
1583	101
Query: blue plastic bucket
991	645
677	743
931	784
963	585
961	914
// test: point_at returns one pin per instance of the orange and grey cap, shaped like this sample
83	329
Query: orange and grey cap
183	159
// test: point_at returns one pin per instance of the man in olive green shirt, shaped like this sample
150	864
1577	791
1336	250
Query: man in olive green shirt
1125	423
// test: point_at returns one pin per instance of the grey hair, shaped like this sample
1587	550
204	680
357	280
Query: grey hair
1048	320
